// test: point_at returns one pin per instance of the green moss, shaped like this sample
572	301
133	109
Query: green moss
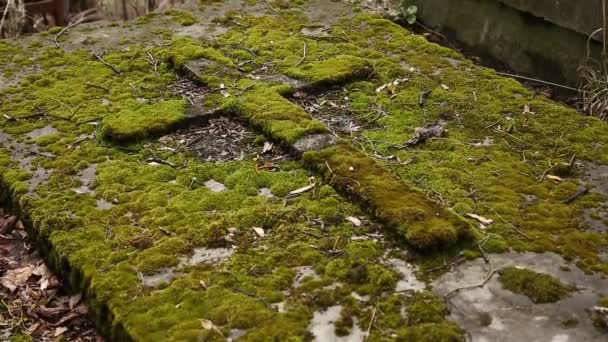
55	30
423	223
186	49
20	338
139	121
432	332
276	116
332	71
426	308
184	18
540	288
159	216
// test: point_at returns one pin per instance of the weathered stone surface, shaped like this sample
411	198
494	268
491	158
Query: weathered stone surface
527	44
581	16
166	256
314	142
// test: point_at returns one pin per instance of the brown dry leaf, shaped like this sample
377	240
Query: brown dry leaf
79	311
74	300
31	329
59	331
42	271
51	314
44	284
481	219
17	277
7	224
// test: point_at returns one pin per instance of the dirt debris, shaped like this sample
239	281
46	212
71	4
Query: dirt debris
430	131
220	140
332	108
32	304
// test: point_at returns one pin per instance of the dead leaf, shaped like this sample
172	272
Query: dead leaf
267	147
483	220
208	325
527	110
44	285
555	178
445	87
42	271
355	221
7	224
74	300
17	277
59	331
259	231
430	131
51	314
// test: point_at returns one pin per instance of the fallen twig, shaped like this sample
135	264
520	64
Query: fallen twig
482	284
423	96
153	61
72	111
551	167
272	8
303	56
538	81
89	84
115	69
66	29
371	323
161	161
507	222
579	193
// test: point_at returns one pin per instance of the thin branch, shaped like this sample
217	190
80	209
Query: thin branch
4	15
551	167
537	81
272	8
371	323
482	284
507	222
303	56
89	84
115	69
66	29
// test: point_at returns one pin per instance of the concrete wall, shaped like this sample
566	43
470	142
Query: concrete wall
583	16
540	38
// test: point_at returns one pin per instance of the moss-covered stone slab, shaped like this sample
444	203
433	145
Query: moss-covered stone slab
170	247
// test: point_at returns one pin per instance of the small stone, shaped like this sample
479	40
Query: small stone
259	231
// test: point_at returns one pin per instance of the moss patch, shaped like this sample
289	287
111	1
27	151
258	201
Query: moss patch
139	121
333	71
424	224
277	116
540	288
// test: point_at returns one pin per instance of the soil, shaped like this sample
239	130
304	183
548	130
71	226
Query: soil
33	304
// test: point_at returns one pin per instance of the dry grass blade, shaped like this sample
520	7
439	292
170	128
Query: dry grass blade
595	90
13	18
